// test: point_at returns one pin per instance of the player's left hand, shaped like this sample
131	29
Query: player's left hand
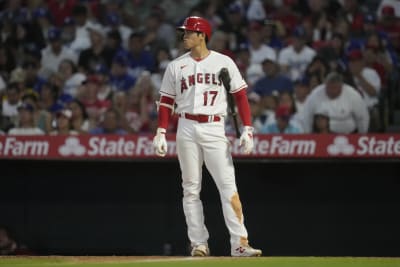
160	143
246	139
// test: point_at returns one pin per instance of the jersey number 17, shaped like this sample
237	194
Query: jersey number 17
209	95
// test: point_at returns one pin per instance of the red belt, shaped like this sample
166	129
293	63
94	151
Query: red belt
200	118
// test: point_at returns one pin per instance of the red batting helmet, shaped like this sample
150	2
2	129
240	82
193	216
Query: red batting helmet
197	24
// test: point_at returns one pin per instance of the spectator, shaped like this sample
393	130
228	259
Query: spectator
139	58
334	53
63	123
242	60
42	22
389	22
10	105
26	125
257	112
368	83
283	124
377	56
41	117
79	119
33	80
254	10
114	23
9	246
71	77
114	44
54	53
321	22
272	35
321	120
302	89
234	26
314	79
273	80
18	77
286	99
120	79
286	16
70	39
158	32
135	114
318	66
259	51
347	110
98	52
295	58
80	15
61	9
391	7
120	103
48	99
110	124
7	60
379	40
219	42
163	57
95	107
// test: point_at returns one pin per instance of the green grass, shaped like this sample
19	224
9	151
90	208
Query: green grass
194	262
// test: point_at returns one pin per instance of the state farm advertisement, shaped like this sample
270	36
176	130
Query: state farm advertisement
140	146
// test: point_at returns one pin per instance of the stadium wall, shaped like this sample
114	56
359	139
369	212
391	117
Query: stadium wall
292	207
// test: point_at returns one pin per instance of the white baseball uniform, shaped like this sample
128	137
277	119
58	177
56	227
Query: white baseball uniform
197	90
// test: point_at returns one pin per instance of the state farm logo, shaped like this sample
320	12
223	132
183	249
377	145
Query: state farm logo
72	147
341	145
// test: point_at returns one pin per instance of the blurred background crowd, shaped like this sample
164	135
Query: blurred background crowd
81	66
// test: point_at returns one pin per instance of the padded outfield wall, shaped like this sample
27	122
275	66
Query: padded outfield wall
130	207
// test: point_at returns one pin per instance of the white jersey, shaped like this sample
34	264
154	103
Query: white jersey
296	61
347	113
372	77
195	85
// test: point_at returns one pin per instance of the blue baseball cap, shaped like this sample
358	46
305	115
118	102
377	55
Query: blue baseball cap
40	12
299	32
54	34
113	19
369	18
121	60
68	21
101	69
234	8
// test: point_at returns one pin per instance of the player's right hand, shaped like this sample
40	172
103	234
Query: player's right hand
160	143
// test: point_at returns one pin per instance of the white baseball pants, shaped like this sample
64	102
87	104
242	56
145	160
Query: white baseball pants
206	142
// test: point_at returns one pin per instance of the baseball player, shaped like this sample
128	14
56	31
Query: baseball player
191	82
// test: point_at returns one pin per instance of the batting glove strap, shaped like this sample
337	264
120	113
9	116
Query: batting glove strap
160	143
246	140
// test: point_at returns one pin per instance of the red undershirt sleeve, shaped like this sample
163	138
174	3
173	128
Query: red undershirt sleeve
243	107
164	111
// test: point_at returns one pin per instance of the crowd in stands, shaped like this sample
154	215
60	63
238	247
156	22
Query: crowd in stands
75	66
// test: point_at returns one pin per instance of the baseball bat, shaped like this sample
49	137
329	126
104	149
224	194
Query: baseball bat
226	81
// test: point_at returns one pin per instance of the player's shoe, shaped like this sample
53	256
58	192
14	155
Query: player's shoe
245	251
200	251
